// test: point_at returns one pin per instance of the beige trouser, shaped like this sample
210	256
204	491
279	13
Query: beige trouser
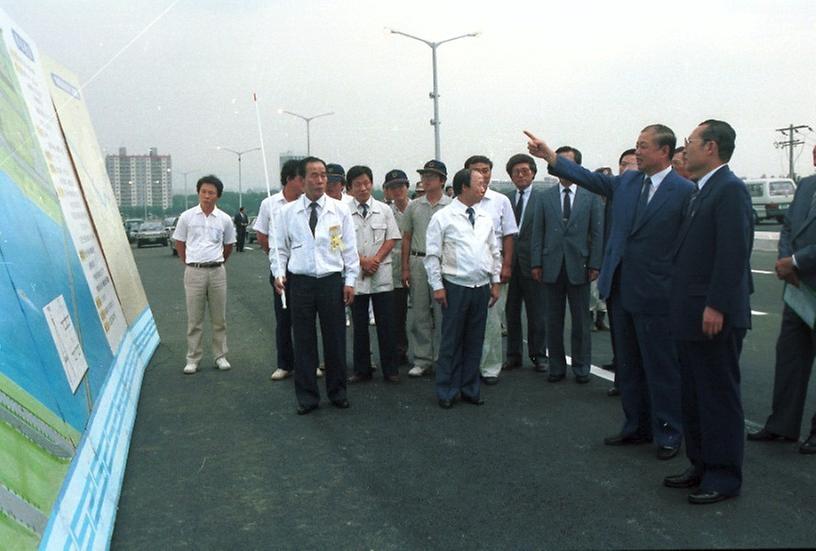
426	327
205	287
492	355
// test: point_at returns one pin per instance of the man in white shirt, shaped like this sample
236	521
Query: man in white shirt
463	264
317	260
291	189
376	232
498	206
204	236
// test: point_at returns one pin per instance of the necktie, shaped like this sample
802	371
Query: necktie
519	206
470	212
364	210
567	206
313	217
644	199
689	207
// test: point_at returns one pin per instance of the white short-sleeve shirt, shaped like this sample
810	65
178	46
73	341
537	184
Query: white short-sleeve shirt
204	235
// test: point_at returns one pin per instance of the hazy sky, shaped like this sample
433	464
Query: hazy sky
587	74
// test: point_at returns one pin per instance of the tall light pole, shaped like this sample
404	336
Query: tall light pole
240	154
435	94
308	121
186	206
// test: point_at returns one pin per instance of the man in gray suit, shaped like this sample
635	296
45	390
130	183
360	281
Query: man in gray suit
796	346
523	289
566	254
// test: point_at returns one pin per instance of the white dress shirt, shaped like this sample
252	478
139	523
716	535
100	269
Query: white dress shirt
527	192
204	235
270	206
498	206
657	178
702	181
332	248
462	253
378	226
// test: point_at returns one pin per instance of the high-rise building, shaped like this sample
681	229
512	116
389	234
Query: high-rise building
141	180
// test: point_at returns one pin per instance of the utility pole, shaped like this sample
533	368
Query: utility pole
790	143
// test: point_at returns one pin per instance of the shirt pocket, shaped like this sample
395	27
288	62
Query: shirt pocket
379	230
215	234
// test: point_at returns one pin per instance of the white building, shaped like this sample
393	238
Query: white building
140	180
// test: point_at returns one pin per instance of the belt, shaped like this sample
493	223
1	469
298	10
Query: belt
204	264
417	253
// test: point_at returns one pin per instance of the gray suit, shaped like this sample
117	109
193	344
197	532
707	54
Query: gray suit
796	346
523	289
565	250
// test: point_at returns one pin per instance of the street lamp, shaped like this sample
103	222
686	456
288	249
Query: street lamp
435	94
308	120
240	154
185	185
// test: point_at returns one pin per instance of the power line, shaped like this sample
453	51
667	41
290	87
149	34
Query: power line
790	143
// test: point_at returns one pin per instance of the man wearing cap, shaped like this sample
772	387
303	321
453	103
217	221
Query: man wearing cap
498	206
396	187
291	189
427	315
376	231
204	236
317	260
463	265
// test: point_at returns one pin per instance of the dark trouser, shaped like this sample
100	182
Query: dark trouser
523	289
400	319
311	297
384	313
283	329
557	295
795	351
240	236
614	362
648	375
713	420
460	349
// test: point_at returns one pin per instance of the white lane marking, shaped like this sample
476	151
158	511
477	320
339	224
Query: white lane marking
764	272
772	235
756	313
251	249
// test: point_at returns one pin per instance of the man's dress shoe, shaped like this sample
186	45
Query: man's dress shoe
341	404
809	446
687	479
446	404
667	452
706	497
303	410
472	400
764	435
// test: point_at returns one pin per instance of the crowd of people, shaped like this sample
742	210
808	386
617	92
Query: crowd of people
664	246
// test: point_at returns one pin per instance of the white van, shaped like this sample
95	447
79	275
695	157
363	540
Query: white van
770	197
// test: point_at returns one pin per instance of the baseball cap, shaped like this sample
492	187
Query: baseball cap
437	167
395	178
335	173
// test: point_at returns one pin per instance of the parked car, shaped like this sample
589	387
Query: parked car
131	227
252	235
770	197
151	233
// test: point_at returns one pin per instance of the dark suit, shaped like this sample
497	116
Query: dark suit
796	346
712	269
523	289
636	277
241	221
565	250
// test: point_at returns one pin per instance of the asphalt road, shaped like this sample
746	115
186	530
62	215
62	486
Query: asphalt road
220	460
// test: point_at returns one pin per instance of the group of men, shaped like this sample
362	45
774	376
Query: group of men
669	247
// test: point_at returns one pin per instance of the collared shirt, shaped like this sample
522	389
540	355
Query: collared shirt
396	252
527	192
332	248
702	181
204	235
270	206
462	253
416	218
572	189
378	226
498	206
657	178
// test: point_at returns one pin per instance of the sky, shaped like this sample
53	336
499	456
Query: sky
179	75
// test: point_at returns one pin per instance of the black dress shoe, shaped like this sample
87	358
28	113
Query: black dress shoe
582	379
555	378
446	404
613	391
303	410
687	479
357	378
341	404
472	400
395	378
667	452
608	367
764	435
809	446
510	364
540	364
490	380
706	497
626	440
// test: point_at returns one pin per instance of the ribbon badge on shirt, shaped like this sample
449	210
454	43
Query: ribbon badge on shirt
335	242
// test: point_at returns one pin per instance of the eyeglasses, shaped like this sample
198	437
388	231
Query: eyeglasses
688	141
521	171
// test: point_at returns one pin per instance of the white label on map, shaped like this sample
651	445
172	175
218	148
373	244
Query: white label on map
67	341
